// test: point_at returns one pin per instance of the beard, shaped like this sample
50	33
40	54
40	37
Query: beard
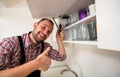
36	38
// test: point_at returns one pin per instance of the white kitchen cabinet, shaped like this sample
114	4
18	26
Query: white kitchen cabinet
108	16
69	32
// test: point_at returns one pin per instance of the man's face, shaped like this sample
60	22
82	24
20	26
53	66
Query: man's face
42	30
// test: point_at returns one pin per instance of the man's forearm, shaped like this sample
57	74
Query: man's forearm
61	48
20	71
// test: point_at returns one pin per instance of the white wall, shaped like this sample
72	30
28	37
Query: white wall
93	62
14	20
86	60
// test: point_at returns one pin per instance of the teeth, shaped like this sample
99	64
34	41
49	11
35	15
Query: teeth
41	35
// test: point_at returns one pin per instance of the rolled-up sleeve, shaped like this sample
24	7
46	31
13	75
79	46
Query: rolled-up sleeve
54	54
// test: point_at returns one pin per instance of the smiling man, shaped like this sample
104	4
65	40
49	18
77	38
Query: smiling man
15	55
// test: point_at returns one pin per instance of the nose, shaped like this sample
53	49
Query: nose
45	32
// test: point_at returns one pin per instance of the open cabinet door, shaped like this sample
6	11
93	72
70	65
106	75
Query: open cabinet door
108	23
51	8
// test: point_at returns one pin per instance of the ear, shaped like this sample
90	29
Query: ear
35	24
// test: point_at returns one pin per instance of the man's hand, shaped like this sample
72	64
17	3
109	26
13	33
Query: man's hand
43	60
60	36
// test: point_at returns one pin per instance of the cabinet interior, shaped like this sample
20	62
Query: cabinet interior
55	8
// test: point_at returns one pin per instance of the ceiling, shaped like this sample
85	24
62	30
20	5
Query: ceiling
10	3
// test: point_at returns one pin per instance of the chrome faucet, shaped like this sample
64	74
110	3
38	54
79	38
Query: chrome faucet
65	70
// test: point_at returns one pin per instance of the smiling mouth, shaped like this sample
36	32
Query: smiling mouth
41	35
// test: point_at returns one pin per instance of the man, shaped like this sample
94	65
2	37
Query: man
10	51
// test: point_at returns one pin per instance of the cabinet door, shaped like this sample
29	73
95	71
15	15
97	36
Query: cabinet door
108	24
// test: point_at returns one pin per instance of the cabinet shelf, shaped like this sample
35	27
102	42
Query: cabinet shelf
84	20
82	42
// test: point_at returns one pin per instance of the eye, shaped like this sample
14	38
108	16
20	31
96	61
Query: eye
48	32
43	27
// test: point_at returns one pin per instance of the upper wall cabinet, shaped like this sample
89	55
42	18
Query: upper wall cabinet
108	23
55	8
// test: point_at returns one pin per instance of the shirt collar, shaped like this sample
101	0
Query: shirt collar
28	41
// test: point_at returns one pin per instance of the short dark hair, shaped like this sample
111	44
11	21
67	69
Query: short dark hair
46	19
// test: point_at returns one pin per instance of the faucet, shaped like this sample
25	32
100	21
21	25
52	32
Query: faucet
65	70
